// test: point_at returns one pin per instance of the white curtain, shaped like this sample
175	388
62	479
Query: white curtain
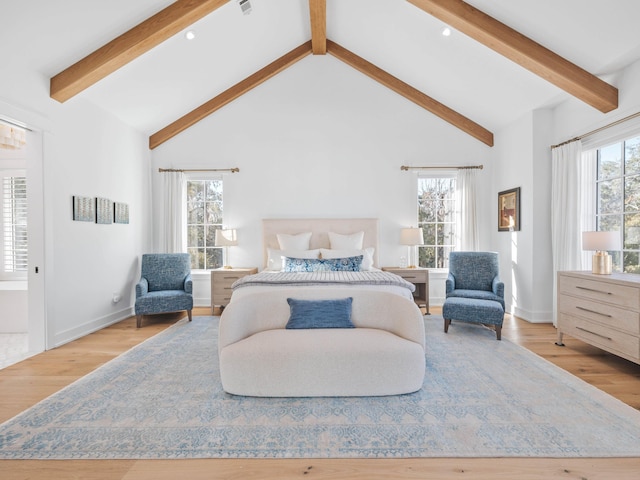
467	223
173	231
566	210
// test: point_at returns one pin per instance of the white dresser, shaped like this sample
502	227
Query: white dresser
603	310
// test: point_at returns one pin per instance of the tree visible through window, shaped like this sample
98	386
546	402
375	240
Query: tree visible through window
14	227
618	199
204	217
436	217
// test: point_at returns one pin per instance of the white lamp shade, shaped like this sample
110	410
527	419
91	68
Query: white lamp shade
226	238
601	241
411	236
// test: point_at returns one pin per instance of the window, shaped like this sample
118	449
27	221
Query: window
618	199
437	218
14	226
204	217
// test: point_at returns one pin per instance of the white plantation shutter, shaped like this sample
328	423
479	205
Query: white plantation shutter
14	226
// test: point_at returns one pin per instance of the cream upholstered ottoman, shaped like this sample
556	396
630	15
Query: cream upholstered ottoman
383	354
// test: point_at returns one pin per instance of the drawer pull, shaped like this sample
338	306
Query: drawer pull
593	311
230	278
594	333
593	290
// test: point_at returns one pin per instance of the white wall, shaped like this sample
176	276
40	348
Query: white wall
573	118
321	140
95	155
522	158
91	153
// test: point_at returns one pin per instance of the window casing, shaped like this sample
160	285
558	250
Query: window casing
204	216
618	199
13	201
437	218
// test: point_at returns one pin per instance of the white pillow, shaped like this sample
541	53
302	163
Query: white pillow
367	256
294	242
275	258
346	242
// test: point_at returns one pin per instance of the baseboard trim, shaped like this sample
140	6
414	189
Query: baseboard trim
80	331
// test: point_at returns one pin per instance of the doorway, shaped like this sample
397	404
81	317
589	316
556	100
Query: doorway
22	309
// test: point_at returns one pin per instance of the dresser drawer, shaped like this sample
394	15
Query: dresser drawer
619	295
601	336
606	314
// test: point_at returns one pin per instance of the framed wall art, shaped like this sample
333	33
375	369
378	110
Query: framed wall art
120	212
84	209
509	210
104	210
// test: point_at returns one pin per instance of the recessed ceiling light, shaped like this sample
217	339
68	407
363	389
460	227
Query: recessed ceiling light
446	31
190	35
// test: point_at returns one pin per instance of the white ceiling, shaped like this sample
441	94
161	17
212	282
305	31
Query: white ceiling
167	82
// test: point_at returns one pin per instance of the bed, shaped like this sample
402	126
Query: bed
370	277
323	324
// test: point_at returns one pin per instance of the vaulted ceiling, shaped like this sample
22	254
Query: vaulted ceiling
504	57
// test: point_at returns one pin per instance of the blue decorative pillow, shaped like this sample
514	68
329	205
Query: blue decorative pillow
320	313
347	264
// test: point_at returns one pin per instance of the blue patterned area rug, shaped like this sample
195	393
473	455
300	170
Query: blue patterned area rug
481	398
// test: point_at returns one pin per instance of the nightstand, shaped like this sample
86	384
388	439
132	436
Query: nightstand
420	278
221	281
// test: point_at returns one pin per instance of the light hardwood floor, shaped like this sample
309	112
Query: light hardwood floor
27	382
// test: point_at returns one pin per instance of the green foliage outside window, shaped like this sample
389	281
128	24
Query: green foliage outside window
436	217
618	199
204	217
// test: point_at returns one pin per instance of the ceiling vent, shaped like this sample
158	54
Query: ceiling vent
245	6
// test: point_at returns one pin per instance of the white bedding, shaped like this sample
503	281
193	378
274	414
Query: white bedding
338	282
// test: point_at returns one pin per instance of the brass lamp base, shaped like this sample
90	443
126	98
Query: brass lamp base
601	264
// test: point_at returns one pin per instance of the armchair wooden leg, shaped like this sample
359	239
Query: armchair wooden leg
189	314
138	321
447	322
498	332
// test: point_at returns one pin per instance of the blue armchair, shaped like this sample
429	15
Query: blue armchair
165	285
474	292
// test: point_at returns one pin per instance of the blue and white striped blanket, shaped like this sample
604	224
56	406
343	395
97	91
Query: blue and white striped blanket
374	277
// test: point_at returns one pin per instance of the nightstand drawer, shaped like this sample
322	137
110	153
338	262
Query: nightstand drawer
221	282
228	278
417	276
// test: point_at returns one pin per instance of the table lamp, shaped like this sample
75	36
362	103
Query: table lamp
411	237
601	243
226	238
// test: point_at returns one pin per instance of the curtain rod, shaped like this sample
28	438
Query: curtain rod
597	130
444	167
15	123
232	170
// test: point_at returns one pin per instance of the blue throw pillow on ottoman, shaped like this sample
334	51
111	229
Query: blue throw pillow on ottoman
306	314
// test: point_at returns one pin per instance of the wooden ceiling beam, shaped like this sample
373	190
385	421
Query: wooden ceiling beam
129	46
229	95
523	51
407	91
318	14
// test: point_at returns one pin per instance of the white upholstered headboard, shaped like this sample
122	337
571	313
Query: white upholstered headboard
319	227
